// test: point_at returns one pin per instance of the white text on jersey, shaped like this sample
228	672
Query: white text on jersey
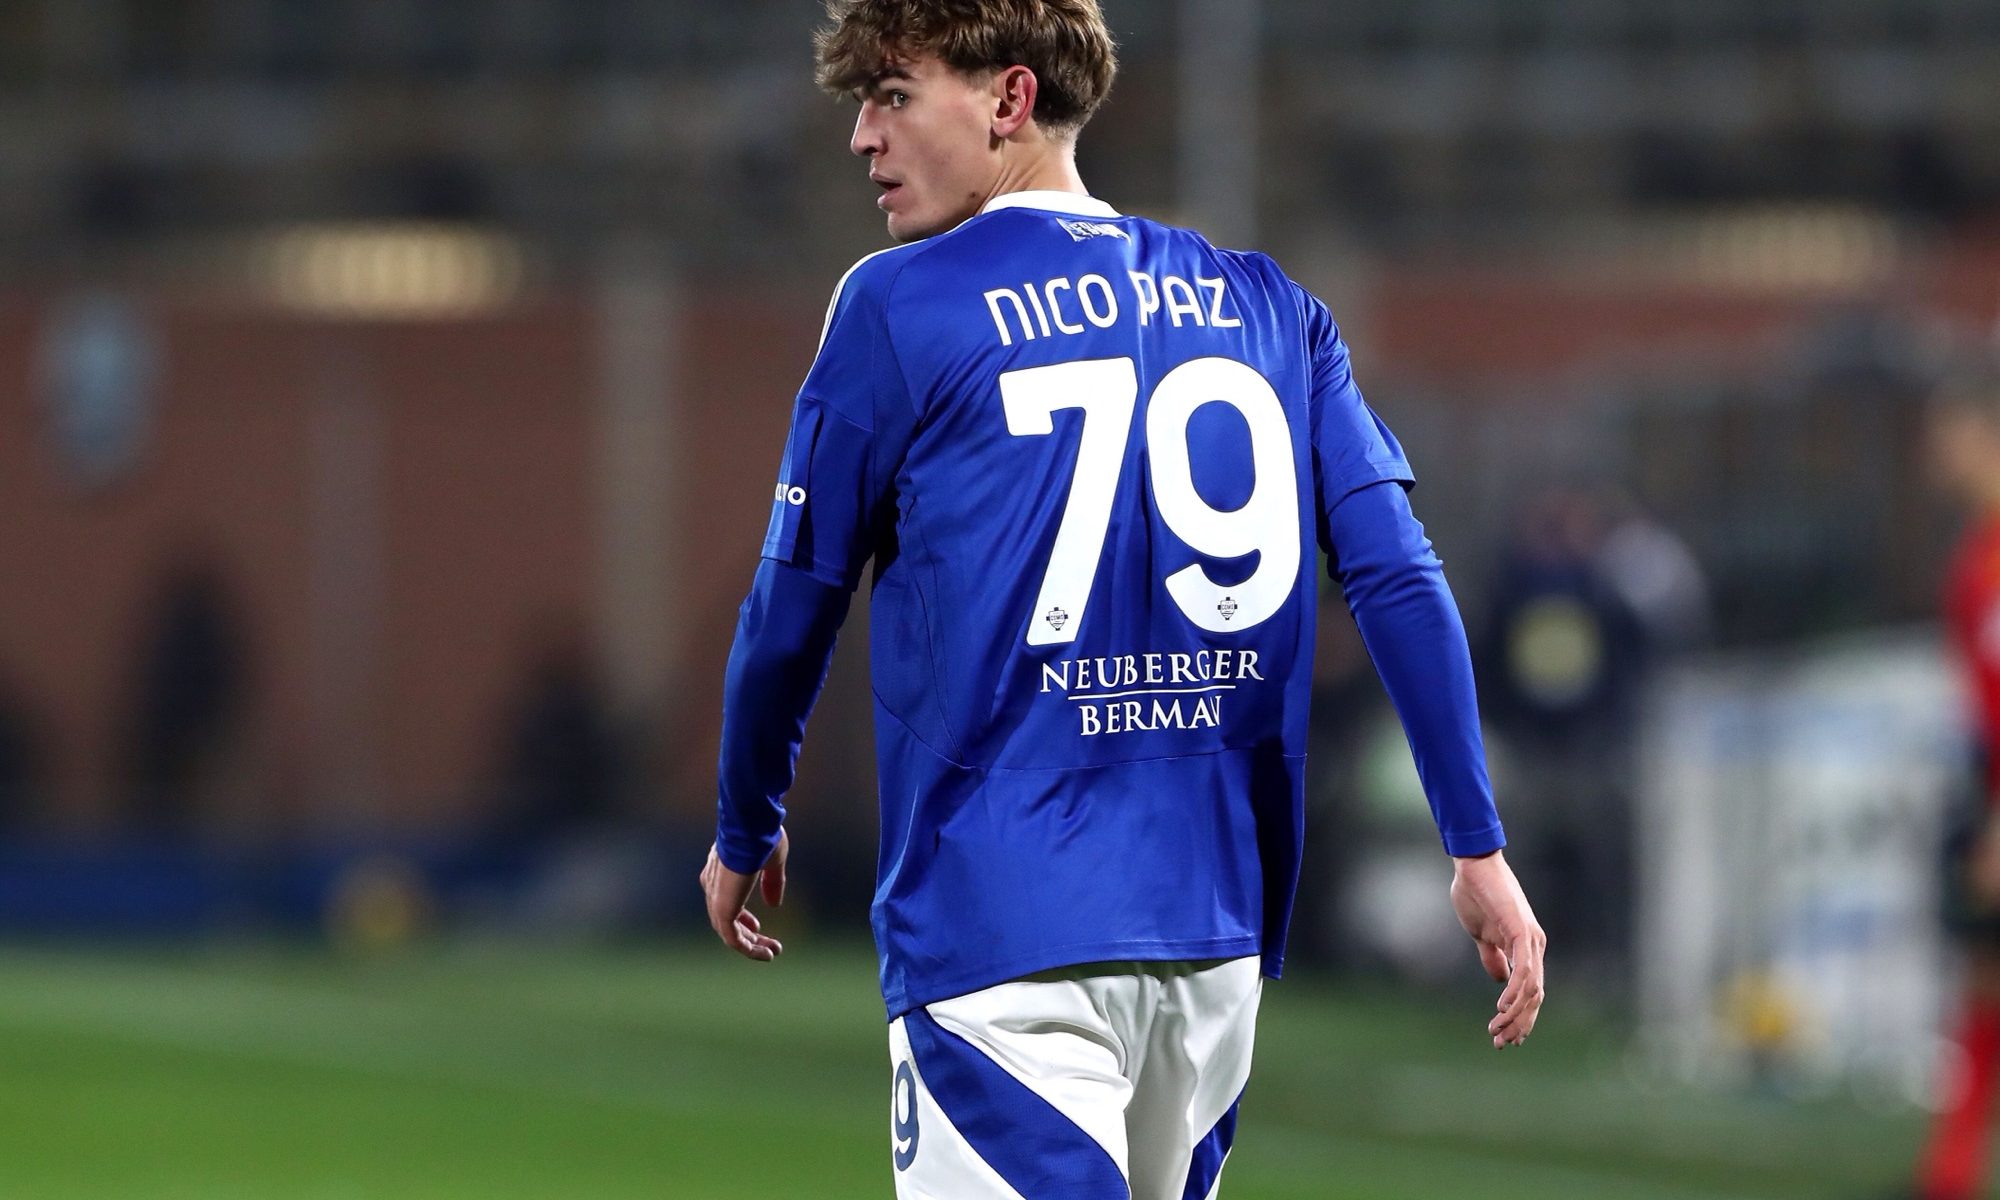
1072	675
1038	310
1173	691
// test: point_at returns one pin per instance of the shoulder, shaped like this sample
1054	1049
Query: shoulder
867	283
907	270
1256	262
1310	306
1264	271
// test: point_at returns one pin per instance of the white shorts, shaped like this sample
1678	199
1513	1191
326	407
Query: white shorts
1093	1083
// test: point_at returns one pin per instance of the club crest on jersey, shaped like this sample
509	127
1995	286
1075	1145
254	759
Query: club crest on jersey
1083	231
1057	618
1227	608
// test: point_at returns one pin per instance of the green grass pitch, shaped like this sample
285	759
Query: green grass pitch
509	1072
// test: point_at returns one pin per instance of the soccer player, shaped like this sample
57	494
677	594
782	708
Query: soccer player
1089	456
1965	453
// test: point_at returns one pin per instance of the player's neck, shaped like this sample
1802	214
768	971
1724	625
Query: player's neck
1052	170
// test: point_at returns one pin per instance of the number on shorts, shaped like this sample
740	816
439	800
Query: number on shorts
903	1115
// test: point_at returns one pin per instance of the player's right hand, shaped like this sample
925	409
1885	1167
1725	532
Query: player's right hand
1494	910
728	894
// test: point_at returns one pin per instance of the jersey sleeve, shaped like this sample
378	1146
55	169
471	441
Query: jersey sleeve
777	665
1351	447
1395	587
850	425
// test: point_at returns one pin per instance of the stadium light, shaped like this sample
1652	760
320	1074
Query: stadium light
393	271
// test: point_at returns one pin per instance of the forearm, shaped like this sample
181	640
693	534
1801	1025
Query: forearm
1396	589
785	633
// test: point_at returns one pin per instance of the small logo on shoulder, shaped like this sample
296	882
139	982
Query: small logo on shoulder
1083	231
793	496
1057	618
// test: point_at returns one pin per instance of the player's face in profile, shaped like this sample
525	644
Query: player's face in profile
927	133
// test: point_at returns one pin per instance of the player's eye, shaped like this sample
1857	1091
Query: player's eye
898	99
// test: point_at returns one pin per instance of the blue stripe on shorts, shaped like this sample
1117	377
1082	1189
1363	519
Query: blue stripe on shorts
1209	1153
1025	1139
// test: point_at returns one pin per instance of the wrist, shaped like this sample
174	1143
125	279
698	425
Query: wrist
1473	843
744	853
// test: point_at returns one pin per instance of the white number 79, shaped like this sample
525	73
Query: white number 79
1106	390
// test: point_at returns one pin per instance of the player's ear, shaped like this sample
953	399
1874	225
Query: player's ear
1014	91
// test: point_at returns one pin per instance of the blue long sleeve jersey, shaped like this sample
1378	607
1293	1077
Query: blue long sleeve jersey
1088	455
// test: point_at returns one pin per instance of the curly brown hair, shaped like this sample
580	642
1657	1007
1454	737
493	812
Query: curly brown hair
1064	42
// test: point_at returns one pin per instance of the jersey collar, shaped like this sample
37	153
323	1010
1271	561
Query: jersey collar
1073	203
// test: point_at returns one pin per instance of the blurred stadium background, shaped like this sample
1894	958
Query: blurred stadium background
390	391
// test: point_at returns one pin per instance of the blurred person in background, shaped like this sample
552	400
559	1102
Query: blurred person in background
190	697
1964	439
21	758
1061	434
562	763
1560	661
1656	575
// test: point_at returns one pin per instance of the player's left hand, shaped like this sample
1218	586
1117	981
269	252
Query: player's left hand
1494	910
728	895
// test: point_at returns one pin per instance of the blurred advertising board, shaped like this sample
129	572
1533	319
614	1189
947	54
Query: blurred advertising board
1792	810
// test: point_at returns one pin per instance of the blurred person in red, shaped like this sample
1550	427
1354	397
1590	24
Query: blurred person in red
1964	439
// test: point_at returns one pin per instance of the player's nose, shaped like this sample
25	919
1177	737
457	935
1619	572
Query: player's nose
867	139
